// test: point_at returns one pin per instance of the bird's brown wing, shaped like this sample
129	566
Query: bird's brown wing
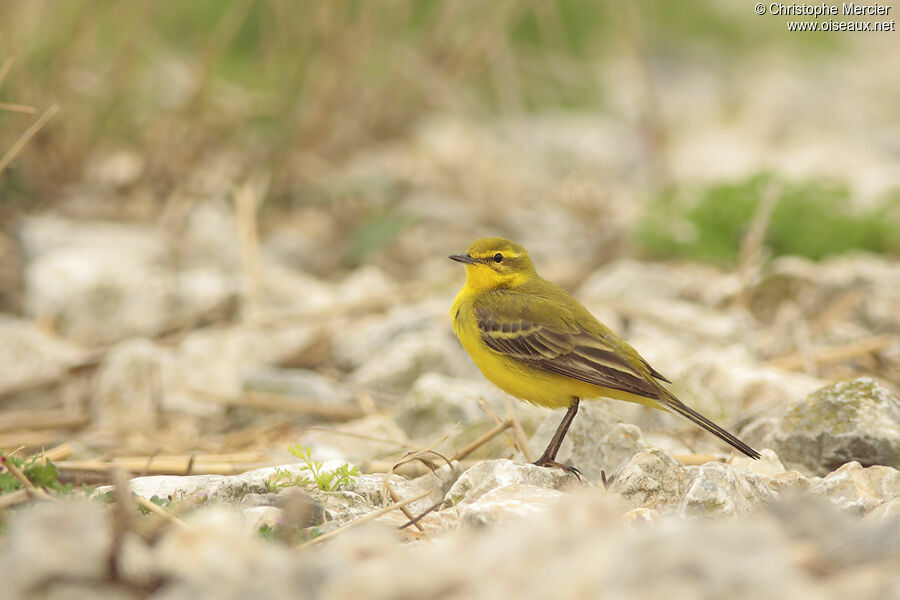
571	351
568	351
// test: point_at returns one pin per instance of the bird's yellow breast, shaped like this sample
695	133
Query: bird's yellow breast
516	377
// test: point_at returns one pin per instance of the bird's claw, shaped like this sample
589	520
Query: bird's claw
546	462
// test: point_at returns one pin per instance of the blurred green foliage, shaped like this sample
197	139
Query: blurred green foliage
810	218
270	78
42	474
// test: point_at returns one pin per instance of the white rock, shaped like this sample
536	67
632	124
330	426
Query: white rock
857	420
890	510
406	357
370	337
215	555
215	359
513	501
652	479
717	488
30	357
855	488
262	516
54	541
436	402
769	465
99	282
487	475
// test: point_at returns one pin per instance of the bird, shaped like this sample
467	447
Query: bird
535	341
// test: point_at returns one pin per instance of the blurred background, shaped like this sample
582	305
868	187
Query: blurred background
224	230
211	211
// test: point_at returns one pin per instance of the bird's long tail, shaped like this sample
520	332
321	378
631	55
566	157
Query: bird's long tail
669	402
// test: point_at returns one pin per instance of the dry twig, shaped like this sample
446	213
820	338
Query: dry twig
393	494
31	490
159	510
832	354
497	430
366	518
519	433
23	139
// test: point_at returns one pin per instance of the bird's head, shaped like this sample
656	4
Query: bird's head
493	263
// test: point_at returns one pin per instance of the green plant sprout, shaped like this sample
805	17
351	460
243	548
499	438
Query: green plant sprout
42	474
312	472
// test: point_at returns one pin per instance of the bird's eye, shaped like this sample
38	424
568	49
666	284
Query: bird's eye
498	257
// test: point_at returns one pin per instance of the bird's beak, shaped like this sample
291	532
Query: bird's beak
463	258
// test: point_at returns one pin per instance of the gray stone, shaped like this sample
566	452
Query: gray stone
487	475
98	282
253	500
398	364
857	489
262	516
215	359
215	556
130	384
200	489
370	337
788	482
596	443
581	547
652	479
856	420
341	506
513	501
437	402
54	541
31	357
889	511
720	489
301	383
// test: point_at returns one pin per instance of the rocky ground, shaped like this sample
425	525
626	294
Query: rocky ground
678	515
191	346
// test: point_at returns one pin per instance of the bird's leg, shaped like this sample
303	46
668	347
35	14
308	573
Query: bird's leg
548	458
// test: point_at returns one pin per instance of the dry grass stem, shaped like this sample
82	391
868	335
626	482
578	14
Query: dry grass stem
420	454
193	464
370	438
23	139
61	452
832	354
31	490
12	498
5	67
280	402
42	419
407	468
423	514
751	250
519	433
396	498
839	307
245	206
696	459
22	108
489	411
497	430
366	518
30	439
159	510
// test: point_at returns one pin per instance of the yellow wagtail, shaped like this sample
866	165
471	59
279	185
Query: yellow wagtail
533	340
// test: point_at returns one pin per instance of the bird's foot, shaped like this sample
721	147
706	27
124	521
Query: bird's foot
546	462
